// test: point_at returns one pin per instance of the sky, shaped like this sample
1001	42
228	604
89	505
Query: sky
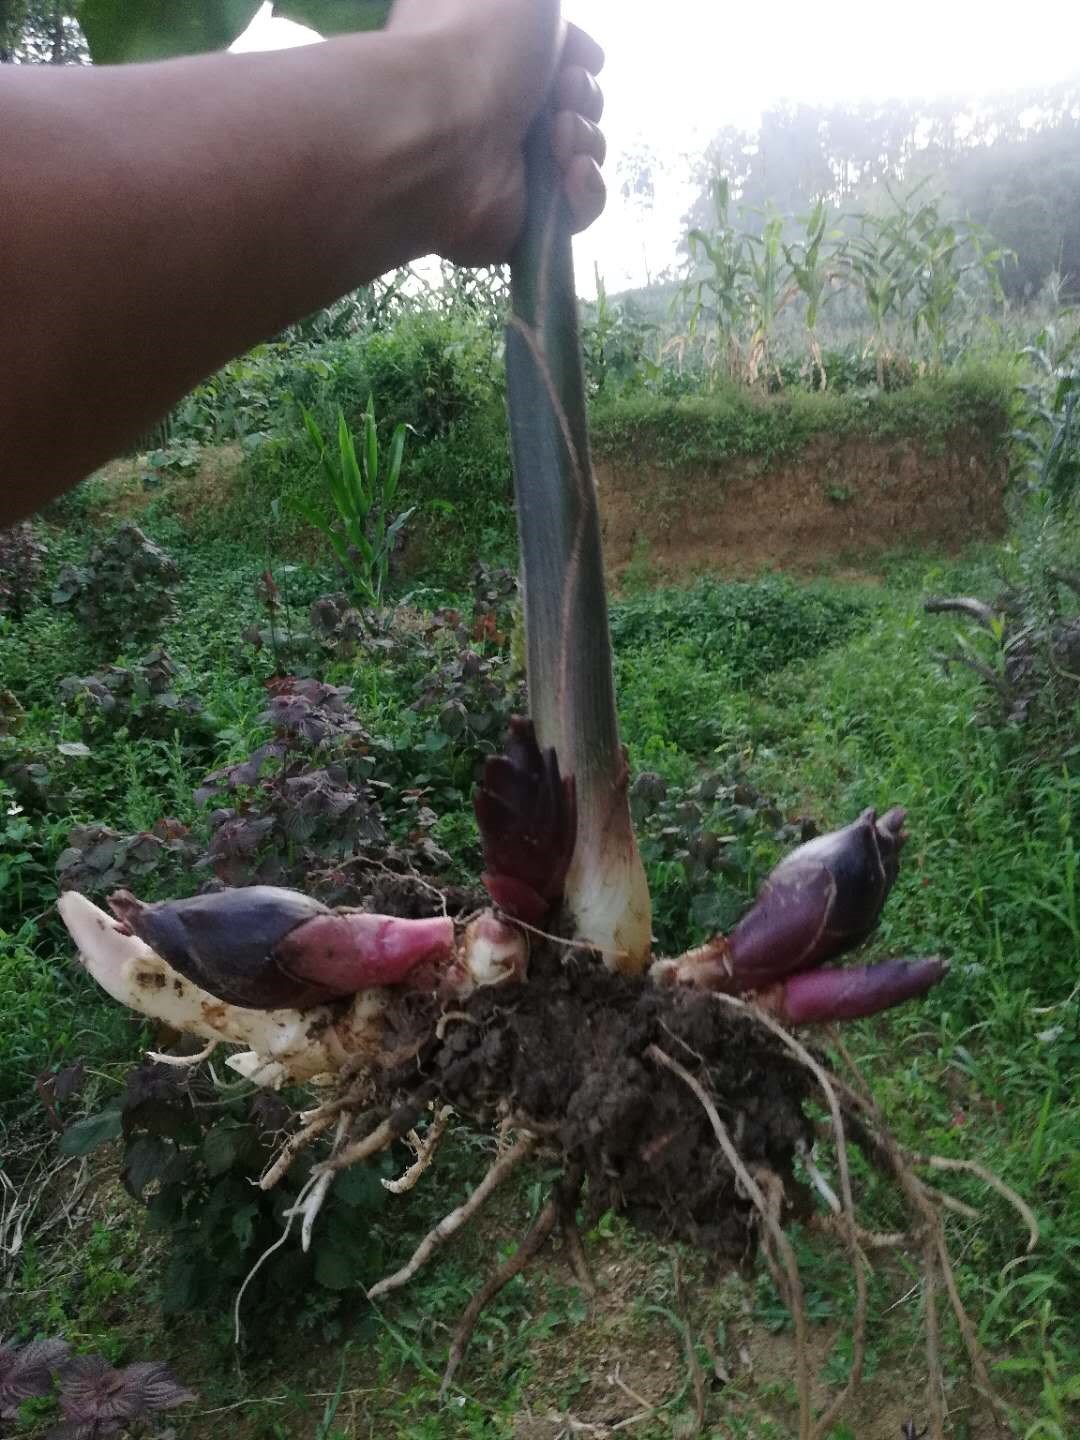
713	63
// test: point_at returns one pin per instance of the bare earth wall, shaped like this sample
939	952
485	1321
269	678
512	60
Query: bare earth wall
838	500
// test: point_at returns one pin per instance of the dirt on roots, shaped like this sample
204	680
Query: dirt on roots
564	1055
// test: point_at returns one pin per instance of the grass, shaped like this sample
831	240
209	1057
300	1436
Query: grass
698	430
826	697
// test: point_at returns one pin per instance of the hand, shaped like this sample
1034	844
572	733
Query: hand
503	59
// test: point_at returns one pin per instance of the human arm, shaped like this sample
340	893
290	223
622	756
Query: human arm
159	219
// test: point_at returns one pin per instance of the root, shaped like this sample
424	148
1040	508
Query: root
313	1203
532	1243
424	1149
950	1202
870	1239
290	1216
936	1258
935	1390
582	946
846	1213
693	1364
489	1060
972	1167
381	1138
292	1147
794	1296
566	1193
450	1224
184	1062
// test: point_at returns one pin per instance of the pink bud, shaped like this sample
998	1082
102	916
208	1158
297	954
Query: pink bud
354	951
822	995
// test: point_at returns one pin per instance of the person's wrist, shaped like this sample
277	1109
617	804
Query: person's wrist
442	101
387	123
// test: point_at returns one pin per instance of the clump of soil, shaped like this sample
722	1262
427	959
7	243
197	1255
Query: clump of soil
563	1054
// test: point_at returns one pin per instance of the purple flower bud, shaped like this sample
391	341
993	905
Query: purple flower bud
268	949
824	898
225	942
527	815
822	995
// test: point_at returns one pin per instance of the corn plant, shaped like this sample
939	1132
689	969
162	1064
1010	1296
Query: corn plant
716	284
814	269
362	534
881	257
944	254
768	290
1049	439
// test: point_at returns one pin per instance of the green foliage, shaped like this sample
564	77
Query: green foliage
45	1002
301	799
1025	645
946	255
766	294
1049	433
129	30
437	371
124	594
747	629
698	431
706	846
813	269
98	860
837	706
149	697
21	557
432	368
39	32
364	531
880	257
94	1399
613	338
119	30
1016	177
192	1153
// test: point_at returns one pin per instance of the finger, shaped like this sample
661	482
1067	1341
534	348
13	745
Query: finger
581	49
586	192
572	135
575	89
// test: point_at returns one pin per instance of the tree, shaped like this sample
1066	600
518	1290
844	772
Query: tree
39	32
1012	163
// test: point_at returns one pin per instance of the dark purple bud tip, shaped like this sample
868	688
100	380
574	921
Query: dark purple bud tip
270	949
825	995
225	942
527	815
824	898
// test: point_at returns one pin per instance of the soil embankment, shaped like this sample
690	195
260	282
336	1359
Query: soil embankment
837	501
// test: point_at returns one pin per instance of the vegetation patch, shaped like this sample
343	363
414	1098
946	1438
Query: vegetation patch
696	433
